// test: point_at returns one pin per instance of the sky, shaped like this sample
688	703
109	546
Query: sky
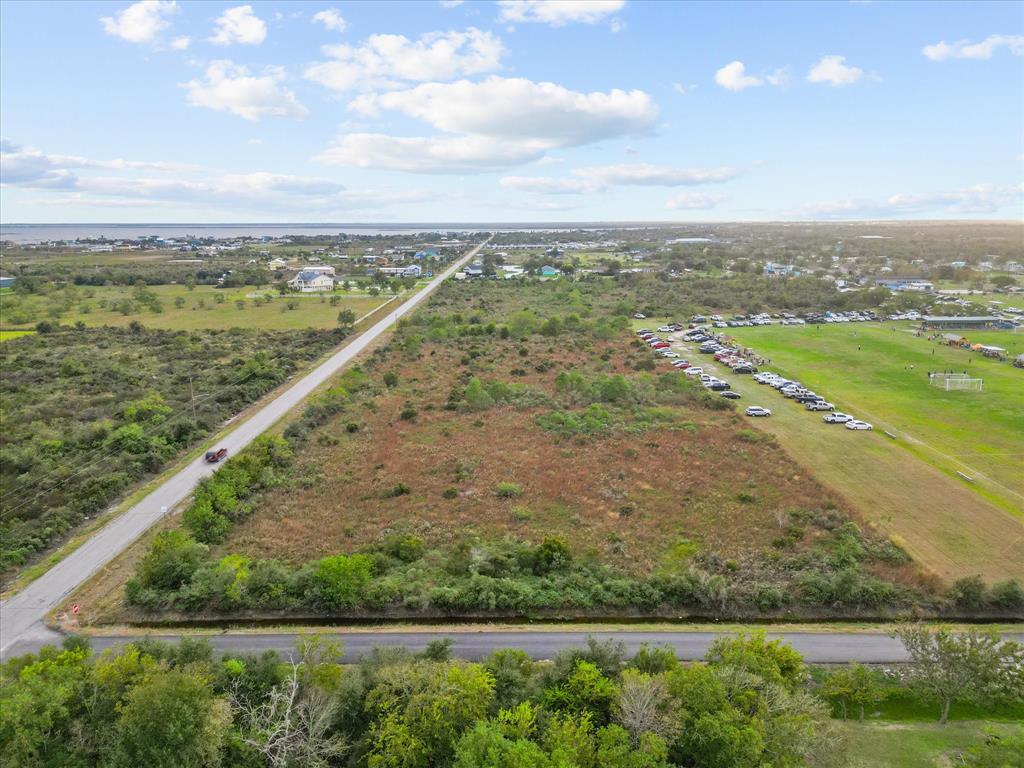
167	111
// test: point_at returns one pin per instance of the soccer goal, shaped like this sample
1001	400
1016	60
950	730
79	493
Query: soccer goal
956	381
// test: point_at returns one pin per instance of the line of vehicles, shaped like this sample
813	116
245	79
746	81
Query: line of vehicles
735	361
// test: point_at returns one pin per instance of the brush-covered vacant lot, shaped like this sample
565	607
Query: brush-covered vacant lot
516	451
880	373
182	307
88	412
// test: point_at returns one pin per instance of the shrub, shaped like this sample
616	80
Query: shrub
390	379
508	490
171	561
408	413
1007	594
450	493
339	581
968	592
398	489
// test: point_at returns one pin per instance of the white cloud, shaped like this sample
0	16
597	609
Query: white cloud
495	123
832	70
693	201
733	77
331	19
517	109
977	199
388	61
599	178
184	185
557	13
439	154
451	3
181	43
964	49
140	22
239	25
681	89
231	88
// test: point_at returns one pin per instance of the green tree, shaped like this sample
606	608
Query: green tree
339	581
973	666
854	685
172	719
346	318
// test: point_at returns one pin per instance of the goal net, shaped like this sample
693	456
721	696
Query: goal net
956	381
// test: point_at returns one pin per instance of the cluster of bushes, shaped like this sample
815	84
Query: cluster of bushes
153	704
224	498
506	576
88	412
751	703
479	396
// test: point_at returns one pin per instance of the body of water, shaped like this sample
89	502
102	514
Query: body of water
42	233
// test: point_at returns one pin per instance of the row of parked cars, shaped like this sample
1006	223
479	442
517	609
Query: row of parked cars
663	349
811	401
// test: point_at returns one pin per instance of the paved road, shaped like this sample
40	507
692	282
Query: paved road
837	647
21	616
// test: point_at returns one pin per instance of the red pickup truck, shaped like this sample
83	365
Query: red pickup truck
214	456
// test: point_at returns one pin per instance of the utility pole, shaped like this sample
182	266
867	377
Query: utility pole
192	396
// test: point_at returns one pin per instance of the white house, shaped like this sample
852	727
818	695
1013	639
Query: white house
277	263
412	270
308	281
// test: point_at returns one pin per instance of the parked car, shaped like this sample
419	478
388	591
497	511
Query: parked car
660	345
217	454
668	353
818	405
694	371
757	410
836	418
730	395
854	424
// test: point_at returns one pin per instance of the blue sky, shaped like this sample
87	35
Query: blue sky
528	110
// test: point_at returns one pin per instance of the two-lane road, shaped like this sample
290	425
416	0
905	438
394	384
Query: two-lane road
816	647
21	616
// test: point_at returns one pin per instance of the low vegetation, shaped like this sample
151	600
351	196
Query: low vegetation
752	703
89	412
468	472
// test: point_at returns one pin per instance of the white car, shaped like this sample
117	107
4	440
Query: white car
666	329
694	371
836	418
818	405
854	424
668	353
756	410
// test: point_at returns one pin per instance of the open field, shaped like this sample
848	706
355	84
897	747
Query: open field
528	468
879	373
947	527
915	745
202	307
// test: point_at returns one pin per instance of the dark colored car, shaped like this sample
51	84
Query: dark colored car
731	395
216	455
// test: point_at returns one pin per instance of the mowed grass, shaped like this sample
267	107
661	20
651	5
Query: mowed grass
915	745
879	373
201	310
945	525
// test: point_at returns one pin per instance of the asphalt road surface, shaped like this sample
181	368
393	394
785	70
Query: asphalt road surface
21	616
816	647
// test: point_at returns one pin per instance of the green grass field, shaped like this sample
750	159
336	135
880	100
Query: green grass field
201	310
914	745
943	522
879	373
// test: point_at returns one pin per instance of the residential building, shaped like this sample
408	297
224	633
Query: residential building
309	281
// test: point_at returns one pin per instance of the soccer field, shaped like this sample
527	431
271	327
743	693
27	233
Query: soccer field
879	372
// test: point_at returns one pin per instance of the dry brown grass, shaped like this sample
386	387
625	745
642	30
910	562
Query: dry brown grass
624	498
